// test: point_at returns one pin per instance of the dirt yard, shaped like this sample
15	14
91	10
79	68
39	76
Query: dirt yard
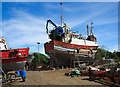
56	77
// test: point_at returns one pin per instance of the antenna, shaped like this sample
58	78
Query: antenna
61	13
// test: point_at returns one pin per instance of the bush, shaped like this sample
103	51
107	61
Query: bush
42	58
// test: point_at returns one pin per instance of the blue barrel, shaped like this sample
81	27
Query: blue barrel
23	73
20	72
17	72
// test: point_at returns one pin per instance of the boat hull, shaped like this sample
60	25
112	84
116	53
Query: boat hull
61	54
13	66
65	58
14	59
66	46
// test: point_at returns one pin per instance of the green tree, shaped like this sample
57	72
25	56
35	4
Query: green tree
42	58
118	54
100	53
103	52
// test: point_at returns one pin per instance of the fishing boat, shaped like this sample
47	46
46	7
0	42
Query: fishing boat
66	46
12	59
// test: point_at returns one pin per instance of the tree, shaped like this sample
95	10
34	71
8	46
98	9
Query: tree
42	58
118	54
100	53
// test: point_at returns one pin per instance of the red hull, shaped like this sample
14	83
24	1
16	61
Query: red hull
22	51
14	55
50	45
63	52
14	59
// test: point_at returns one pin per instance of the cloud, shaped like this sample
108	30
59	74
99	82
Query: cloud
24	30
100	13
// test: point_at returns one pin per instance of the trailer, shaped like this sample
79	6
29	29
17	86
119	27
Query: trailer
13	76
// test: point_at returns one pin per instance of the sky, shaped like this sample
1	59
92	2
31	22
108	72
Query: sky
23	23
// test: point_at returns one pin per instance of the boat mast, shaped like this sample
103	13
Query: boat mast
91	28
87	30
61	13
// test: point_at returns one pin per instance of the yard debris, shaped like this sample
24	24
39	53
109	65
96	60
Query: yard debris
73	72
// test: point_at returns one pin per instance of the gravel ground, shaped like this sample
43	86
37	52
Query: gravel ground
56	77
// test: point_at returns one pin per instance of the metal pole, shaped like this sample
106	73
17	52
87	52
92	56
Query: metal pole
38	50
61	13
74	58
38	53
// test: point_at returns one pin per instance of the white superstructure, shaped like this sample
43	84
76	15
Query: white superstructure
3	45
83	42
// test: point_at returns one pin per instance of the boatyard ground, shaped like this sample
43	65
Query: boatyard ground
56	77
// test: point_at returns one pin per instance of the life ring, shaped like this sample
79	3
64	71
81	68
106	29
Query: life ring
3	40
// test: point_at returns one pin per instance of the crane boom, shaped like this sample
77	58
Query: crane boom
49	21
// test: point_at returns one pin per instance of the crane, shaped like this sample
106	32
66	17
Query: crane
49	21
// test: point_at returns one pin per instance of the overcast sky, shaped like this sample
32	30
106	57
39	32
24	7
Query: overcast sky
24	22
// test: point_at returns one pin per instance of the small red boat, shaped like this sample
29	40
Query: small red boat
12	59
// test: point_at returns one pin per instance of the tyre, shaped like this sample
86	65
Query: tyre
23	78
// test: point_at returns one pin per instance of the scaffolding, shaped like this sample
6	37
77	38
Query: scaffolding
75	58
53	58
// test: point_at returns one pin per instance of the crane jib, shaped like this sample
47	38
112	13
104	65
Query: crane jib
49	21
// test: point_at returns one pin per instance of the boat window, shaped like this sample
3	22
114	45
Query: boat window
5	46
76	36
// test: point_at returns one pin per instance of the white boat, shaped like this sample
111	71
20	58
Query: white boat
65	45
